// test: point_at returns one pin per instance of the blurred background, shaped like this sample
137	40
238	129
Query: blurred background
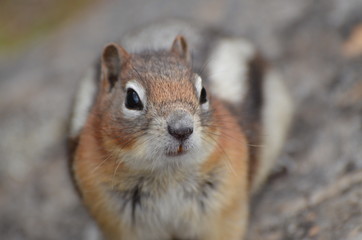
315	191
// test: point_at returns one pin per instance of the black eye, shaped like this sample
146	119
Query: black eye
203	96
133	101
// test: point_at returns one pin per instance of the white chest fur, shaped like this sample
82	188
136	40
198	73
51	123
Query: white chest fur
161	208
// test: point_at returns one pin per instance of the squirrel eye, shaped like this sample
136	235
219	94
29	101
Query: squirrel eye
203	96
133	101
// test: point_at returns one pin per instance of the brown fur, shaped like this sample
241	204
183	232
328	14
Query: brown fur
98	166
231	151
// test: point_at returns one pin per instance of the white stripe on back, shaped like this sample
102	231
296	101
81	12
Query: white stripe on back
83	102
228	68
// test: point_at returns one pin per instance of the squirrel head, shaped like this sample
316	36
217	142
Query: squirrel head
152	109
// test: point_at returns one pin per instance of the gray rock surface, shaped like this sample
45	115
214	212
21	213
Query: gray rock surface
316	189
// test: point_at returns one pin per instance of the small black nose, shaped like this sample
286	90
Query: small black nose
180	133
180	125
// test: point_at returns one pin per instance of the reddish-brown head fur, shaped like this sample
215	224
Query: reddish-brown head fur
149	108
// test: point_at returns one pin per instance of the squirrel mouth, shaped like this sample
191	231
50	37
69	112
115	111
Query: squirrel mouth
180	151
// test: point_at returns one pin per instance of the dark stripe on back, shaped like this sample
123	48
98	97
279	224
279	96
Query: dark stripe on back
249	112
252	113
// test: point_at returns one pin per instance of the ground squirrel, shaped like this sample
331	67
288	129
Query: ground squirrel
173	131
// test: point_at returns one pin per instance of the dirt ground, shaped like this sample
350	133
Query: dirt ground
315	191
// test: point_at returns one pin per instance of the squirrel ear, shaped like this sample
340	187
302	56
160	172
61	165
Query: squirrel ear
112	59
180	48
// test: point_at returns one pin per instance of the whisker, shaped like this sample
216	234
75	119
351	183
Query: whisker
114	174
100	164
228	162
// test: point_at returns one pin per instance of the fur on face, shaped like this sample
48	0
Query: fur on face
163	85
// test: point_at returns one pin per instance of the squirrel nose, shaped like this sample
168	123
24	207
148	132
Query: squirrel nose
180	133
180	125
